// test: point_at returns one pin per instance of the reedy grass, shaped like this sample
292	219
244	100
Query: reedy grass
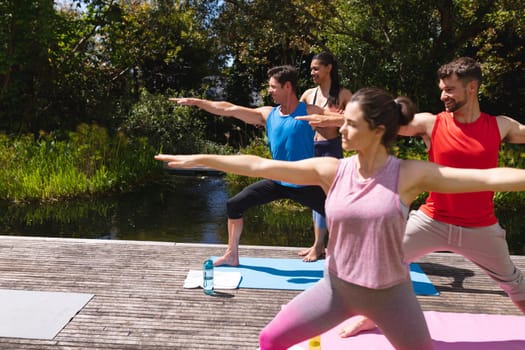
84	162
89	161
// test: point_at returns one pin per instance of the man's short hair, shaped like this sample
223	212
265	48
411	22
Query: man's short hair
283	74
465	68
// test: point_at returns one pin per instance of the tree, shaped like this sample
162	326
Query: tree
395	44
87	62
26	33
164	45
502	50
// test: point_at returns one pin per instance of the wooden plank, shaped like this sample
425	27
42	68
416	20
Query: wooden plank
139	301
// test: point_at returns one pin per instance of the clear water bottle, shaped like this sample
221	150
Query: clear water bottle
207	275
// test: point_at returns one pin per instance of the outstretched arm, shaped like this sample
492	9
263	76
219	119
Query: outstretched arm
423	176
319	117
313	171
255	116
323	120
511	130
421	125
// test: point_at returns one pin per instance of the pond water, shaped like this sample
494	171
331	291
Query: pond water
184	209
180	209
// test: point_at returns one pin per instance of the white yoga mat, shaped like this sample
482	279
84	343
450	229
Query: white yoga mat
37	315
221	279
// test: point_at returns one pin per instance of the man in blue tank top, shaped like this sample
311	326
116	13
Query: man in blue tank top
289	139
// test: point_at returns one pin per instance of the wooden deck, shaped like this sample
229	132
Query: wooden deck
139	301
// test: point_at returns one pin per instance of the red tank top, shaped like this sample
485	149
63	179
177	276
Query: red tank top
463	145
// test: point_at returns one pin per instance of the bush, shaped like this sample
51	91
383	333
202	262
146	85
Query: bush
258	147
83	162
169	128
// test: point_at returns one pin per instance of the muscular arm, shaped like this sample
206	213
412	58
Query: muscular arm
511	130
421	125
312	171
255	116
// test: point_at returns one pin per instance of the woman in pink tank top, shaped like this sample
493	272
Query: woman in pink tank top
367	199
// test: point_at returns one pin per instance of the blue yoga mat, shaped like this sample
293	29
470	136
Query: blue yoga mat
295	274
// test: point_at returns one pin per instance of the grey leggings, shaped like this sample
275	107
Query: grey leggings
395	310
484	246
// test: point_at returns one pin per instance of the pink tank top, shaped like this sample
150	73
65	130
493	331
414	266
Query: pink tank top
367	222
463	145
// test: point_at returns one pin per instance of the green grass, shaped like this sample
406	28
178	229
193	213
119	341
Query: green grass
90	161
84	162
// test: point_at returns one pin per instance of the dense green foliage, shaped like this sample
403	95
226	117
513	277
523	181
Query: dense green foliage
84	162
113	63
170	128
397	45
60	65
511	156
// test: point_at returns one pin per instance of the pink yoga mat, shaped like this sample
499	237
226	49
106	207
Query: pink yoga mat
450	331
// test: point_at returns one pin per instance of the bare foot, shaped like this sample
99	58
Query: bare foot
305	252
227	259
314	255
356	325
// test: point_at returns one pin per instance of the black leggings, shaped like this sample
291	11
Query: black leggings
266	191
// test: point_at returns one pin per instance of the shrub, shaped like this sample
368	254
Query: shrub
168	127
84	162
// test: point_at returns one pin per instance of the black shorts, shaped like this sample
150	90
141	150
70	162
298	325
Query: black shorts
329	148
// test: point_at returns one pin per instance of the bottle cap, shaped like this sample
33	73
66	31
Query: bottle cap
314	343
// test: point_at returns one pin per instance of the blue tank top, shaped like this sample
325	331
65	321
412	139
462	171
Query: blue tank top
289	139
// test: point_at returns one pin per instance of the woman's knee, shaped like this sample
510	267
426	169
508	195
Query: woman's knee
268	341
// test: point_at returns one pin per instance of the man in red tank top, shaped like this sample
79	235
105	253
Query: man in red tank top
461	136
